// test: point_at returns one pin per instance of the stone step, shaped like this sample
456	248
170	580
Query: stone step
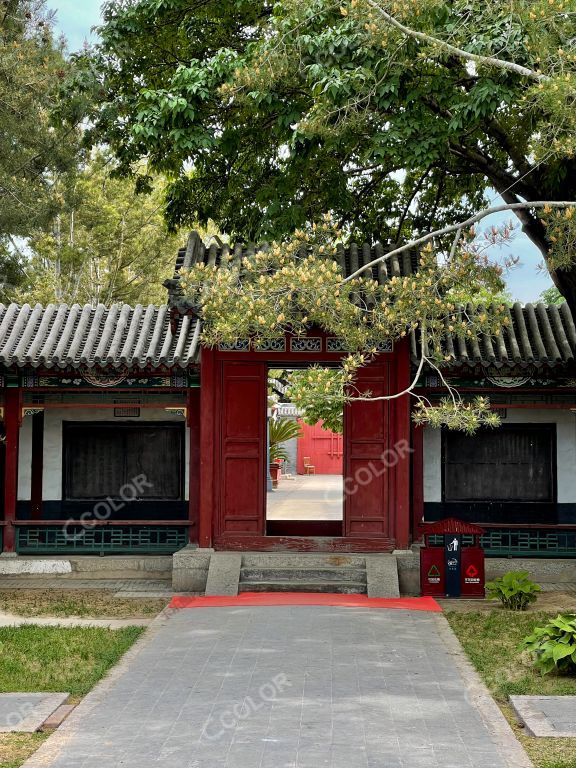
223	573
302	559
304	585
313	574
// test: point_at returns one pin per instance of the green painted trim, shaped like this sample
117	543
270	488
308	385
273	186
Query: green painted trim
518	542
111	540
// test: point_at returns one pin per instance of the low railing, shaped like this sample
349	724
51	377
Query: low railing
103	537
519	540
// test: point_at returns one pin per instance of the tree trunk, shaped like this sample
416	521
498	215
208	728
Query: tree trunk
563	279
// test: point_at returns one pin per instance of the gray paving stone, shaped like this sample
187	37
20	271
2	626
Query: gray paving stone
280	687
551	716
27	711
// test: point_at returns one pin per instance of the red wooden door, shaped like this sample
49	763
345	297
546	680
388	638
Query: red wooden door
242	432
367	485
323	447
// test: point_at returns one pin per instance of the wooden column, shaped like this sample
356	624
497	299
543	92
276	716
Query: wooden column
37	466
193	462
417	480
401	410
207	426
12	418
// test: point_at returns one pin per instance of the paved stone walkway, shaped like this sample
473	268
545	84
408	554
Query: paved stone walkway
306	497
281	687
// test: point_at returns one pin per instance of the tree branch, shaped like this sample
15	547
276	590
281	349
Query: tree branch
413	194
490	61
485	164
462	225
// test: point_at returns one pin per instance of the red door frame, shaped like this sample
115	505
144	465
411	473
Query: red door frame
214	528
369	459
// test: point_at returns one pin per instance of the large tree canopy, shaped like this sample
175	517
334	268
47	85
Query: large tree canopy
38	136
107	244
389	114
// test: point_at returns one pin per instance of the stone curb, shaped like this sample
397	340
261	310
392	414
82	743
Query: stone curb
13	620
479	696
50	750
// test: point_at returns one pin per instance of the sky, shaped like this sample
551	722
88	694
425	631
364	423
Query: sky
525	282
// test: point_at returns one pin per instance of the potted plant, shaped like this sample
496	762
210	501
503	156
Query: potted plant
279	431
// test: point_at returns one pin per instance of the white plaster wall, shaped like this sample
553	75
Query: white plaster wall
432	464
25	459
565	451
53	418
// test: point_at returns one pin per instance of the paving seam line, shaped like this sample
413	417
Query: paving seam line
480	697
49	751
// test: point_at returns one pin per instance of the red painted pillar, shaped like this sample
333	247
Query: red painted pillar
401	410
193	462
208	425
417	480
12	418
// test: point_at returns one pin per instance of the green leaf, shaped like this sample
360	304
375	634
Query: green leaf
562	651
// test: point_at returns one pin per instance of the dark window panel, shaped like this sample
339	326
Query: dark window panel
515	462
100	459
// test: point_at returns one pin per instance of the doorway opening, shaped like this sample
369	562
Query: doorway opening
305	467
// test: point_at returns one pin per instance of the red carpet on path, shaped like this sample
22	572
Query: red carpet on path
308	598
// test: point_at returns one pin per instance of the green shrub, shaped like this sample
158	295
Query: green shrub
554	645
515	590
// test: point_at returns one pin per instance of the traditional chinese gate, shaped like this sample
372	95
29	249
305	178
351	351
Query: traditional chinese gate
233	450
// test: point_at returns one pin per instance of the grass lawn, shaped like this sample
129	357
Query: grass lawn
78	602
491	641
74	659
15	748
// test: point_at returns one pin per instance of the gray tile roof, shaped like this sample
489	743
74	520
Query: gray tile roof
536	335
120	336
351	258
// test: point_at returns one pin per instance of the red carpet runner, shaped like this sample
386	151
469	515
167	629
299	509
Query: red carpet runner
308	598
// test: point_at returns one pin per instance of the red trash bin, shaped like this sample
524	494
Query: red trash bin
453	569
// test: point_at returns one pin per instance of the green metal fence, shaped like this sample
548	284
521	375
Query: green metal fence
522	542
69	539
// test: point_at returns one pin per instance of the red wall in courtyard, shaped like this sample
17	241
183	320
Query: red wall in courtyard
323	447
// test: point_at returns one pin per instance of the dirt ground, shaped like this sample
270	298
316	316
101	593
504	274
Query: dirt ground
548	601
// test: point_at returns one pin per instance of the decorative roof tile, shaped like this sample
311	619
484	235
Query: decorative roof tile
120	336
536	335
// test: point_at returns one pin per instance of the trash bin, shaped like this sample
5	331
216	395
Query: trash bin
455	569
